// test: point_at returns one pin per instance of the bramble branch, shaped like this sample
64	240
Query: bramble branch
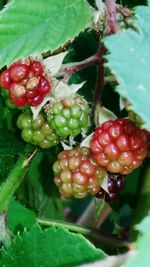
112	23
68	69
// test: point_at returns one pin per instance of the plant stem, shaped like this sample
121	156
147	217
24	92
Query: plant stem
68	69
100	82
91	234
13	180
112	25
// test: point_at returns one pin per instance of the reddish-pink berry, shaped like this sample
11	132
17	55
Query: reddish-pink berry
43	86
35	101
37	68
5	79
119	146
77	174
18	72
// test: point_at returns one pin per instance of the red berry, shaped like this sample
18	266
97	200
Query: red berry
37	68
18	101
37	100
31	93
43	86
18	72
5	79
119	146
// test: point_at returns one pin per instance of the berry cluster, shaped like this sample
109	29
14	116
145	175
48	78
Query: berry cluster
26	82
38	131
114	185
77	174
69	116
119	146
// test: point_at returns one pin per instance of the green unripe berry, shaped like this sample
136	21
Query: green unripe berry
46	129
38	122
57	108
66	113
73	124
27	135
76	112
65	131
37	136
46	143
71	116
60	121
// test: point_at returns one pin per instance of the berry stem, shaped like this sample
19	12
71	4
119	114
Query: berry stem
111	8
100	83
13	180
68	69
91	234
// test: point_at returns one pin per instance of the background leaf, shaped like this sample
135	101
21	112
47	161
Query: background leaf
52	247
19	217
129	60
38	190
29	27
142	257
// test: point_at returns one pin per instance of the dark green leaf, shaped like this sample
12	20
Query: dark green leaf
43	195
54	247
19	217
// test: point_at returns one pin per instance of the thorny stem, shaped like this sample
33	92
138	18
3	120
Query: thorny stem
91	234
112	25
100	82
68	69
13	180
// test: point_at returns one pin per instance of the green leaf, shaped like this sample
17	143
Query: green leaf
52	247
142	257
43	194
19	217
129	60
29	27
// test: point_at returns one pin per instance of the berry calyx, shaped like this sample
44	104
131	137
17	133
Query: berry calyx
119	146
77	174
